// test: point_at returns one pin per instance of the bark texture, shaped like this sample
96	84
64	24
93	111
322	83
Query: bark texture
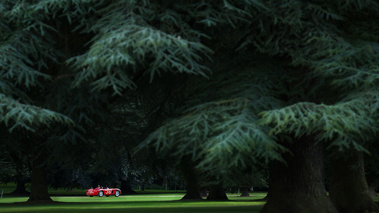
298	187
348	186
39	185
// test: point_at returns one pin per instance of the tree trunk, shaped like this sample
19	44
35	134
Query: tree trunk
193	184
193	189
244	192
126	188
298	187
217	192
20	188
348	186
39	186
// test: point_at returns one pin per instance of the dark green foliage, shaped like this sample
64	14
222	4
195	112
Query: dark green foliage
31	54
335	54
218	122
62	60
52	48
324	83
336	122
277	68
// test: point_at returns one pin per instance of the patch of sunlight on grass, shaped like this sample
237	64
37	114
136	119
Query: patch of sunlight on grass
13	199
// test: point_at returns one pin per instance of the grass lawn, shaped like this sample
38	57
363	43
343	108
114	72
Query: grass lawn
147	202
162	202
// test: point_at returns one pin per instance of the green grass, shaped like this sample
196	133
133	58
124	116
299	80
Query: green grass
148	202
167	202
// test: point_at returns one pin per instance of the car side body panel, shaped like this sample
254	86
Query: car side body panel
106	191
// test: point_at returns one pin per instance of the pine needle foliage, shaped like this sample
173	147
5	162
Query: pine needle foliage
73	45
346	124
327	52
61	60
333	48
149	35
217	125
294	67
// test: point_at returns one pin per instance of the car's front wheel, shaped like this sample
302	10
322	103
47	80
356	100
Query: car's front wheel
117	193
101	193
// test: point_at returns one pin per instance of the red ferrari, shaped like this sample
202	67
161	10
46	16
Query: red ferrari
100	191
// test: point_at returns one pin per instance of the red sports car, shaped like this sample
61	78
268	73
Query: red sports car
100	191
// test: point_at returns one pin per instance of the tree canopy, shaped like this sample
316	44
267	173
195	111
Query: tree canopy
239	82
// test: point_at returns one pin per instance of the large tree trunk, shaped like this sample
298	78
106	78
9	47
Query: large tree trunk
299	187
217	192
192	178
348	186
39	186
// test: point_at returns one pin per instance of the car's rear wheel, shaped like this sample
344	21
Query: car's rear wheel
117	193
101	193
